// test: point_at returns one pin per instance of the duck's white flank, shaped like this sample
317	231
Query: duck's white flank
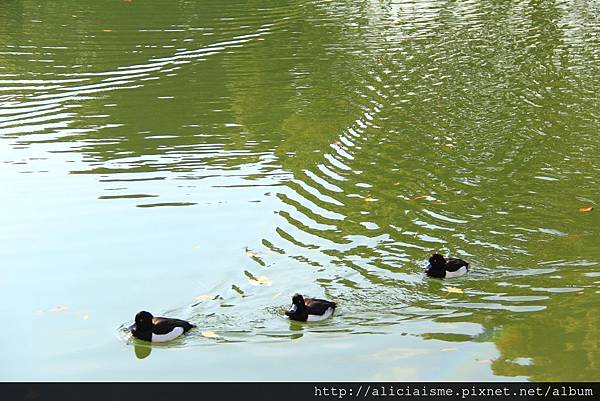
318	318
460	272
173	334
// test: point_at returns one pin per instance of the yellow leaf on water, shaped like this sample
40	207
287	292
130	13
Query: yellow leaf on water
454	290
448	349
586	209
210	334
203	297
261	280
370	200
107	30
57	309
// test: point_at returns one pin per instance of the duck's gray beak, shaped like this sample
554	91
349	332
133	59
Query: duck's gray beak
428	266
293	309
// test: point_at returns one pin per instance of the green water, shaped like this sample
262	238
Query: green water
206	160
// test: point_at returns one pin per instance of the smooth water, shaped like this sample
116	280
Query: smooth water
206	160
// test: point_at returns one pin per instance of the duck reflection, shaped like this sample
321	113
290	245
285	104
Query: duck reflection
142	350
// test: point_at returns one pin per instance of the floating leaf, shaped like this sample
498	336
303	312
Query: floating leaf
419	197
454	290
449	349
586	209
107	30
261	280
370	200
57	309
449	145
210	334
203	297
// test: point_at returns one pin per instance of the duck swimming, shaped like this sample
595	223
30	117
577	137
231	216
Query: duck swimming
439	267
310	309
158	329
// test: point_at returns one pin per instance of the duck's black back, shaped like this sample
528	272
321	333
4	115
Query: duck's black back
316	306
453	264
164	325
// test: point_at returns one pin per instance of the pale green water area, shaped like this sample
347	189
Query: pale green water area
207	159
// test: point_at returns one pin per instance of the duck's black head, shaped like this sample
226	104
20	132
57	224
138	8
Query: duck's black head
437	261
297	305
143	321
298	300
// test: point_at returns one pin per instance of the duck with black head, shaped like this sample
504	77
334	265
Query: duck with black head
310	309
158	329
440	267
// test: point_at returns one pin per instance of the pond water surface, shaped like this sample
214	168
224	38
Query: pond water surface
207	159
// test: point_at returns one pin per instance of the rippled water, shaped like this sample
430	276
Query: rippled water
208	159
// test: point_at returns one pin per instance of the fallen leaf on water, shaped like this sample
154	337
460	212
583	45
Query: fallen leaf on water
580	293
448	349
449	145
586	209
261	280
370	200
203	297
57	309
107	30
210	334
419	197
454	290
